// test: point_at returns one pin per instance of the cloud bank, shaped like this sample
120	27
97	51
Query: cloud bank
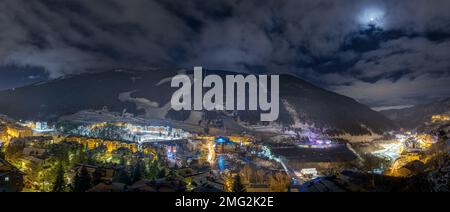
381	52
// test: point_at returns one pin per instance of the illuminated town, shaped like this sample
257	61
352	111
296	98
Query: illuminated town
230	96
126	157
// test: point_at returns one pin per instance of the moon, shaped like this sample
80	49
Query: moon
372	16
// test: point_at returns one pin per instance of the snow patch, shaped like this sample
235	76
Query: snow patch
152	109
298	124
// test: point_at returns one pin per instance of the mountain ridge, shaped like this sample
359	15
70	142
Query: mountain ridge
413	117
53	99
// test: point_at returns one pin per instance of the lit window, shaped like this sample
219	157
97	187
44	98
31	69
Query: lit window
6	179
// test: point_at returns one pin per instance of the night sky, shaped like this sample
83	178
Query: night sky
383	53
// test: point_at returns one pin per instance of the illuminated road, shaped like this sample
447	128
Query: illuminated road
390	151
290	173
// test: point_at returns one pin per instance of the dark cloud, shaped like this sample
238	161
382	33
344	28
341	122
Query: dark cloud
381	52
12	76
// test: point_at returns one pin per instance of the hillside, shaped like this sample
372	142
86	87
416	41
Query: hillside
148	93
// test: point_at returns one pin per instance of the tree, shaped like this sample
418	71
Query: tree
60	184
138	172
60	151
438	151
153	170
279	182
172	174
162	173
259	176
371	163
122	177
228	182
247	173
97	176
189	183
2	154
82	181
123	161
237	184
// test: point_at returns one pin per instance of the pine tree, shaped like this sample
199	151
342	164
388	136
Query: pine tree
122	162
59	184
97	176
153	170
122	177
137	172
82	181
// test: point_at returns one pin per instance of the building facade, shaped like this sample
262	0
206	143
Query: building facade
11	179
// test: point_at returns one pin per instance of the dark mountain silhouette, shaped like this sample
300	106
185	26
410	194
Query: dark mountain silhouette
410	118
136	91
